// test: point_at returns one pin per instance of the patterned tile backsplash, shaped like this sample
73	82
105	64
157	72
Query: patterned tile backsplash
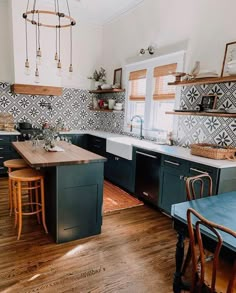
217	130
73	108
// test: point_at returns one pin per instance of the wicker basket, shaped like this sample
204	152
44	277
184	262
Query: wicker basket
212	151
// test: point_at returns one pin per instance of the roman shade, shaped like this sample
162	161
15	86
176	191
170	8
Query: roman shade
138	85
161	74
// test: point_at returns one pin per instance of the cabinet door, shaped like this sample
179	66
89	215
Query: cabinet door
198	169
173	173
96	145
120	171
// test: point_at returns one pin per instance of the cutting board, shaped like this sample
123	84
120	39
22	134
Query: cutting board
6	122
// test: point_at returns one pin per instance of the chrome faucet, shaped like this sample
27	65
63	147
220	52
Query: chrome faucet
141	125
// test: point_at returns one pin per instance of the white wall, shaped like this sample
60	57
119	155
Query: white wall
202	27
6	53
87	50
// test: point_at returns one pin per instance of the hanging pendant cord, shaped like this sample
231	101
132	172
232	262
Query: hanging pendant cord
26	40
34	7
39	47
70	33
36	37
55	3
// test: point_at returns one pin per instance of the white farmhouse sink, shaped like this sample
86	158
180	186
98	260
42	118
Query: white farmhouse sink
123	146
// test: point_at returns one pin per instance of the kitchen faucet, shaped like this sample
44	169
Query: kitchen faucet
141	125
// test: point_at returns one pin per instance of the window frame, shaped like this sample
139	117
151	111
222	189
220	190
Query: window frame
150	64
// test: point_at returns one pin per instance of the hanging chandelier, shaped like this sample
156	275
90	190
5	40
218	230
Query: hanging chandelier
32	16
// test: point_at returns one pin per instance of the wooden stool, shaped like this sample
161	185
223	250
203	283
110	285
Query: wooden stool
12	165
34	182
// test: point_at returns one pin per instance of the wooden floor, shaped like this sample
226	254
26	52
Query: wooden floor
115	199
134	253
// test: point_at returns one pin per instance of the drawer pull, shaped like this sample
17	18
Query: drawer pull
1	168
1	157
145	193
146	155
1	148
97	140
1	139
172	163
97	146
198	171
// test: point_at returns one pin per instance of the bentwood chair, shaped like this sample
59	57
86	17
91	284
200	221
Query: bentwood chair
209	272
195	187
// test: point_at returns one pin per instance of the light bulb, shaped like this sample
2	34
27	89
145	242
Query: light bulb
70	71
59	70
37	79
27	67
39	57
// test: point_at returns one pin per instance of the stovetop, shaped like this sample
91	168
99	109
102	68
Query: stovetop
27	134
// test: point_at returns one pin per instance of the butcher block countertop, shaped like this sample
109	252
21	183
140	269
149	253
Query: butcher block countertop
39	157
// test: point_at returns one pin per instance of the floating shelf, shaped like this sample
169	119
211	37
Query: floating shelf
202	114
28	89
205	80
107	91
105	110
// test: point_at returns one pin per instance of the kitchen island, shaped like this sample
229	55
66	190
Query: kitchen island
73	188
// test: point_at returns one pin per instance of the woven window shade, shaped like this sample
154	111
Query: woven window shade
138	85
162	76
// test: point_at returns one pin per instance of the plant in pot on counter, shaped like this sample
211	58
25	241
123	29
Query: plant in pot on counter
50	136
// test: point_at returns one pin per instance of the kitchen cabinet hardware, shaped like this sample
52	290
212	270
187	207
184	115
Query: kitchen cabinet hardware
199	171
147	155
1	168
172	163
1	148
181	177
97	146
98	140
1	139
1	157
145	193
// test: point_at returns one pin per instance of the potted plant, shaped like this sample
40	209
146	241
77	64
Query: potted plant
99	77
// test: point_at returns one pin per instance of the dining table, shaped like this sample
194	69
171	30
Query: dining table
220	209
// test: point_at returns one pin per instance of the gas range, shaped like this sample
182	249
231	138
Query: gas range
27	134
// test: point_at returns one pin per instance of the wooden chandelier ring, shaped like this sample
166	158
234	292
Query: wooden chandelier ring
72	20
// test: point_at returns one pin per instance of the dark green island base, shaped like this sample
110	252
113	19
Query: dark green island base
73	197
73	189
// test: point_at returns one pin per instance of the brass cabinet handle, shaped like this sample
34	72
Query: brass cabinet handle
172	163
198	171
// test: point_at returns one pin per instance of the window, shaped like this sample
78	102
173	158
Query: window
163	97
137	93
149	94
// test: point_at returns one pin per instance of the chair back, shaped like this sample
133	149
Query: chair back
196	185
199	260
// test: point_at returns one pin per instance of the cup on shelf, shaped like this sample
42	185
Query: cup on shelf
118	106
111	104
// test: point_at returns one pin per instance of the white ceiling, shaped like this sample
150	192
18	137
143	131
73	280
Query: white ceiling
96	11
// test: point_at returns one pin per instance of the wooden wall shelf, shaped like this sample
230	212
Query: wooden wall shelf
202	114
107	91
205	80
105	110
28	89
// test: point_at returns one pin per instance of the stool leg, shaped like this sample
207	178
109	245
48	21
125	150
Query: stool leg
37	201
19	209
43	204
9	192
14	189
30	194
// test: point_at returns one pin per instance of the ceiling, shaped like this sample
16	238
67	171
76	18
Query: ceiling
96	11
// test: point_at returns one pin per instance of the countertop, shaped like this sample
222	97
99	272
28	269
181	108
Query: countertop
174	151
72	155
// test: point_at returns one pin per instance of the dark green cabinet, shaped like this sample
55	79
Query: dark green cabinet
76	139
120	171
173	175
7	152
96	145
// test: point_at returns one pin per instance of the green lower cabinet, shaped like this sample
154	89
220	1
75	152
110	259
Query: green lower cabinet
172	187
7	152
120	171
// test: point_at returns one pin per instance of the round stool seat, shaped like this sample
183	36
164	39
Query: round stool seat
15	164
26	175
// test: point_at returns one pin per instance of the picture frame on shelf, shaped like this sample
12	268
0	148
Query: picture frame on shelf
117	78
208	102
230	55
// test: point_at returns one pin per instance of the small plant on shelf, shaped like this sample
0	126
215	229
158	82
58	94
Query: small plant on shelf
99	75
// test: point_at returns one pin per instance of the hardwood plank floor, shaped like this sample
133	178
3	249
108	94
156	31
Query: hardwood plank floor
134	253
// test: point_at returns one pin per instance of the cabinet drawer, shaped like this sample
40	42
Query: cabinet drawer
5	139
97	144
173	162
5	148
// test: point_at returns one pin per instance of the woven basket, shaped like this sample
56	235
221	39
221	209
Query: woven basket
213	151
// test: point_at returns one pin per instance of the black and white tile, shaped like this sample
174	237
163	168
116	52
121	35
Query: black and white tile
217	130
